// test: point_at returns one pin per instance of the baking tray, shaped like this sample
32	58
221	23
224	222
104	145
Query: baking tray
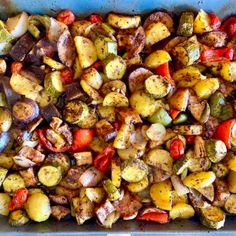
85	7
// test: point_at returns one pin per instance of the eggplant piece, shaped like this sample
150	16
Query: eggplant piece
4	140
22	47
34	73
74	91
162	17
49	112
10	94
5	119
137	77
19	136
25	110
42	48
66	48
213	39
60	212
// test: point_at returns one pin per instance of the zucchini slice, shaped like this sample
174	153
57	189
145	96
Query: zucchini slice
138	186
133	170
157	86
53	84
105	46
212	217
112	191
187	52
160	116
230	204
76	112
18	218
49	175
185	27
114	67
216	150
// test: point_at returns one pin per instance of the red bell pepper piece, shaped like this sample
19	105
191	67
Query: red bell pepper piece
214	21
223	132
82	139
217	55
46	144
67	76
19	199
95	18
174	113
66	16
229	26
103	161
177	149
164	70
158	216
190	139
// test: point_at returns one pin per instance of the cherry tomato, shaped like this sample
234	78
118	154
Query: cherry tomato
95	18
67	76
103	161
16	66
215	21
66	16
19	199
176	148
82	139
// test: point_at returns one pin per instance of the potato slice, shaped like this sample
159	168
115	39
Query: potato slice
156	32
202	23
161	194
138	186
115	99
182	211
157	58
228	71
179	100
205	88
86	50
122	21
143	103
199	179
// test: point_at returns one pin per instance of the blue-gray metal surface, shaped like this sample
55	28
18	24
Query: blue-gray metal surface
85	7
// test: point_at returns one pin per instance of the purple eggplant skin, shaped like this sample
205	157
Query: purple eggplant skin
49	112
22	47
4	140
24	111
42	48
34	73
74	91
10	94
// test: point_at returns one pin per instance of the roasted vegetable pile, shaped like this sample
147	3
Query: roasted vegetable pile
118	117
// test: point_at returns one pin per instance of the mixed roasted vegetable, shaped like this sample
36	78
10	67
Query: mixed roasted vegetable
118	117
